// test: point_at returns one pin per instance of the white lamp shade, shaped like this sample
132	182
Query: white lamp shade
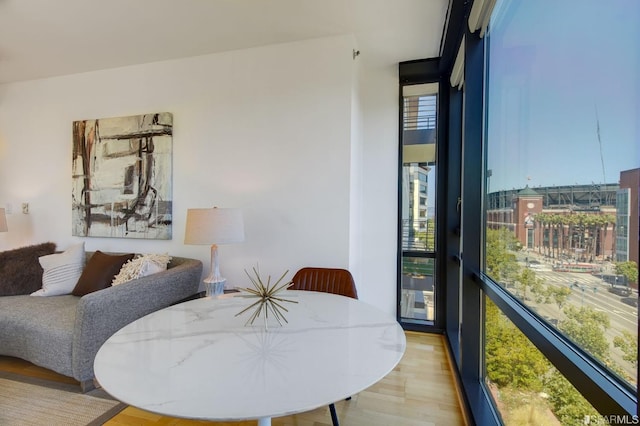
214	226
3	221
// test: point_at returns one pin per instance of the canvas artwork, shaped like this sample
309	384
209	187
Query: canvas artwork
122	174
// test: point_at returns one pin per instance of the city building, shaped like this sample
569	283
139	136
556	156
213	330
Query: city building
564	222
627	217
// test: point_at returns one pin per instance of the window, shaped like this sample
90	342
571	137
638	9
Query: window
622	225
537	203
561	110
418	198
529	390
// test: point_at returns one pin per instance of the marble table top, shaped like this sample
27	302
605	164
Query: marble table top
199	360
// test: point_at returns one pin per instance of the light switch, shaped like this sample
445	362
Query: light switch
25	208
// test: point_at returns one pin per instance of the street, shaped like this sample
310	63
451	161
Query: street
590	291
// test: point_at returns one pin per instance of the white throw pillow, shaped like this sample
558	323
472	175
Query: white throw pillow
141	266
61	271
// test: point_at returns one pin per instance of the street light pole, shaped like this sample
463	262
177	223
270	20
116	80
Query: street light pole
581	287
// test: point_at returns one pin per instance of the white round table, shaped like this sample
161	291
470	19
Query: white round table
198	360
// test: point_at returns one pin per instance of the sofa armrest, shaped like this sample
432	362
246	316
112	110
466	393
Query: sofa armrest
100	314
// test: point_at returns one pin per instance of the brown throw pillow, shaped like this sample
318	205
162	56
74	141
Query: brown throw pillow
20	271
99	272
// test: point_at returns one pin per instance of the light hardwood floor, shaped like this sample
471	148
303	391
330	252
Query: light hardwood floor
421	390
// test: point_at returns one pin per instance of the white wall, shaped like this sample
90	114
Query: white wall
268	130
379	102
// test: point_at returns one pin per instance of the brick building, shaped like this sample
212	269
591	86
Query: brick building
572	222
627	217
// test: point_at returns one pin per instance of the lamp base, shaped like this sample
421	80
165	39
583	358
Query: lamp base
214	288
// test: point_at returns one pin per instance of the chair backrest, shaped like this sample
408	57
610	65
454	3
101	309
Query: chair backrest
328	280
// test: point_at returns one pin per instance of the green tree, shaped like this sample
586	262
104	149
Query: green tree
607	219
557	295
554	232
572	221
528	280
586	327
501	262
580	225
629	270
511	359
568	405
555	236
427	238
628	343
594	223
544	219
512	362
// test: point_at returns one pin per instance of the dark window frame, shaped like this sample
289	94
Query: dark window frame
412	73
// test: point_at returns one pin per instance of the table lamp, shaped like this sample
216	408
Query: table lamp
214	226
3	221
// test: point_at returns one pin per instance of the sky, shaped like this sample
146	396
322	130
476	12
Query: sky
563	92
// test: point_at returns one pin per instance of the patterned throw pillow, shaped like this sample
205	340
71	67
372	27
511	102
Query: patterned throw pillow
142	266
61	271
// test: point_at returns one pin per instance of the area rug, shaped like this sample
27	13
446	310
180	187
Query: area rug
34	402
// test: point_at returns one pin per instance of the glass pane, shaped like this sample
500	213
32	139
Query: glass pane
418	218
419	167
419	137
526	388
563	168
417	289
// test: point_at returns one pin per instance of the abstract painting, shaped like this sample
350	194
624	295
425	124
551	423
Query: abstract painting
122	171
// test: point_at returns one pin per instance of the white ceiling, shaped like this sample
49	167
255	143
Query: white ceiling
45	38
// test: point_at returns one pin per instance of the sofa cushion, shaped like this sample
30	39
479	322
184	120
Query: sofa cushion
142	266
99	272
61	271
39	329
20	271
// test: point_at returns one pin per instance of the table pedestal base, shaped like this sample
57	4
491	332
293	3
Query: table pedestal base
264	421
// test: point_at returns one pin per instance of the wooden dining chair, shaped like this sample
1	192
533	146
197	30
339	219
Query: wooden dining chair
327	280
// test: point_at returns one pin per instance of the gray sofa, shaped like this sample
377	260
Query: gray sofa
64	333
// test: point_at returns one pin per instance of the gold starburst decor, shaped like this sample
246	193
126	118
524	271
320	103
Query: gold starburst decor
268	301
